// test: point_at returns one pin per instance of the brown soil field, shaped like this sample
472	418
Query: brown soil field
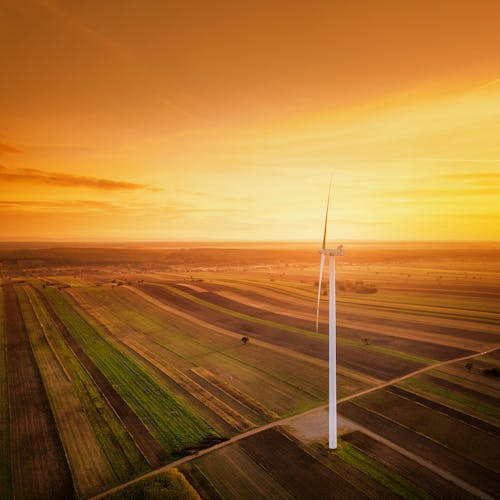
232	391
374	364
90	469
365	316
428	350
474	443
452	331
355	316
295	469
461	389
434	301
236	475
199	482
446	410
229	398
5	469
413	472
420	348
279	380
475	380
245	308
216	405
495	355
39	467
307	345
153	355
471	472
150	448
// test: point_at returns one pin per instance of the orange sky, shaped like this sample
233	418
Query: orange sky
175	120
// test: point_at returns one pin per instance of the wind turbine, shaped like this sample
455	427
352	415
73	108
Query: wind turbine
332	328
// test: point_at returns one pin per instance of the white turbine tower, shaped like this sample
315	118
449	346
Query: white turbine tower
332	329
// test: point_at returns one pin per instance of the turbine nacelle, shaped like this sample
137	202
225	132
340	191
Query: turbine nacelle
336	252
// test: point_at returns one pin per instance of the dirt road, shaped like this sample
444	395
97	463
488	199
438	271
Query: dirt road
437	470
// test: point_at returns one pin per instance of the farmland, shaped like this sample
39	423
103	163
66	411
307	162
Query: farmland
117	362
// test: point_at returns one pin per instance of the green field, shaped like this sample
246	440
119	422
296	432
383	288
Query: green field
174	425
143	363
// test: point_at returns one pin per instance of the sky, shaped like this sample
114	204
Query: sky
225	120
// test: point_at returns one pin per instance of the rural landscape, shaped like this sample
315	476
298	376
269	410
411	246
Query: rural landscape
187	371
221	221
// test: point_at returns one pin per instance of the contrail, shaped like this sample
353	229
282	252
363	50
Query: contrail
125	53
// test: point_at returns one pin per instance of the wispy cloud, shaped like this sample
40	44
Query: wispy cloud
58	206
92	206
450	160
471	177
426	193
7	148
118	49
68	180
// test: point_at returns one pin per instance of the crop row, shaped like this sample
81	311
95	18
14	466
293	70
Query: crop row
182	345
172	424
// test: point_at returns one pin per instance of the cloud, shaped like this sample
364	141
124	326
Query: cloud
479	176
91	206
67	180
426	193
117	49
7	148
58	206
450	160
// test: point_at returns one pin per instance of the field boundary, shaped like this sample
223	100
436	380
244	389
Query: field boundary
284	421
143	439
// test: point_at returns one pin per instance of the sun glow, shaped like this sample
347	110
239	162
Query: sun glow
141	159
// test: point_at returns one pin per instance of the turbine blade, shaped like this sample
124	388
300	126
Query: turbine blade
326	216
321	266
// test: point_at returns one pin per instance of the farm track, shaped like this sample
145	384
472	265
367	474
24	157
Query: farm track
150	448
409	468
422	446
289	469
439	426
448	475
39	466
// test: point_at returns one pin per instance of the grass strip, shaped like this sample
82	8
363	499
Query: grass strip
280	326
394	482
172	424
169	484
89	465
246	317
122	453
423	387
